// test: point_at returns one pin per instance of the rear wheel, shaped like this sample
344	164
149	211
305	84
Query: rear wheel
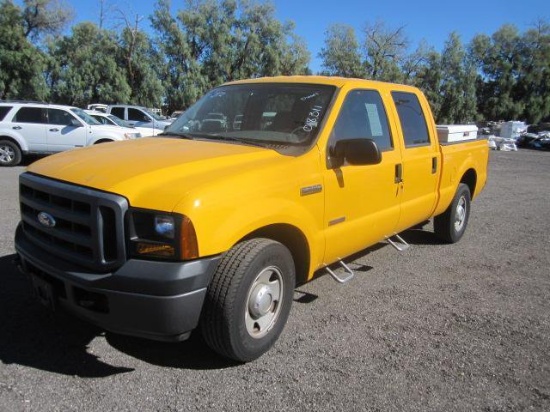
249	299
10	154
451	225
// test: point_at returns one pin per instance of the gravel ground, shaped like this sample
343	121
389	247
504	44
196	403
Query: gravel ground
462	327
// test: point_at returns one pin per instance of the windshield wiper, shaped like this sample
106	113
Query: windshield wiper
232	139
178	134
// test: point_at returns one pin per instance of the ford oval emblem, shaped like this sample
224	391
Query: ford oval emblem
46	220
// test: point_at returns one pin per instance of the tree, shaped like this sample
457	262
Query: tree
533	81
136	53
457	84
498	59
85	69
385	52
341	56
45	17
212	42
180	71
423	69
21	63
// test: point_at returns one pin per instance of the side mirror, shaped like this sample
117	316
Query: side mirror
75	123
355	152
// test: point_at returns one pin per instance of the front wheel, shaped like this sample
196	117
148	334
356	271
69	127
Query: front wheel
10	154
249	299
451	225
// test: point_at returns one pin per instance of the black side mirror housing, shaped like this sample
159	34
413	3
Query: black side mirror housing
357	152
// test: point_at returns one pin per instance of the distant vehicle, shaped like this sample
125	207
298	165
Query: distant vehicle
100	107
112	120
175	114
138	116
41	128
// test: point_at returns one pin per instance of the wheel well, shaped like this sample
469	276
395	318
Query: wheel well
470	179
11	139
294	240
103	141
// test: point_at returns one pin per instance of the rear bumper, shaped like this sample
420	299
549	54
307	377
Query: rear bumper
150	299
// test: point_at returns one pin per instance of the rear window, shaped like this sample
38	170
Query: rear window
30	115
4	111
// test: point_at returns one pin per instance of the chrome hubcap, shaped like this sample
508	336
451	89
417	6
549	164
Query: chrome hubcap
263	304
460	215
6	154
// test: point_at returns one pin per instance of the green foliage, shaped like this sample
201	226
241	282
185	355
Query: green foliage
85	68
341	56
457	86
505	75
21	63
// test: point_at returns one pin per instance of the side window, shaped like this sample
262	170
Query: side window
363	116
4	111
61	117
30	115
136	115
118	112
413	122
101	119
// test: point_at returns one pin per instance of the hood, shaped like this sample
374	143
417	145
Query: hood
153	172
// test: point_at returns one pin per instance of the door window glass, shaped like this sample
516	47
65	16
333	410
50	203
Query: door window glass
413	122
363	116
137	116
60	117
118	112
30	115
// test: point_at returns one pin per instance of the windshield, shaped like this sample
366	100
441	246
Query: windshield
288	114
117	120
84	116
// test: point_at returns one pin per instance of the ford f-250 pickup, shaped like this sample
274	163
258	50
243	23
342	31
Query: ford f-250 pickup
256	188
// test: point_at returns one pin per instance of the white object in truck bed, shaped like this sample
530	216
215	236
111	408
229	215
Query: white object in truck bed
449	133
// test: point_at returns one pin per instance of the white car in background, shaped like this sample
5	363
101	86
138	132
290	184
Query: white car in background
42	128
112	120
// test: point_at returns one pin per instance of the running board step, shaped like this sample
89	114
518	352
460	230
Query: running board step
343	279
398	242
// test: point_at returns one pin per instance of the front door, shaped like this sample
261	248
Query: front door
362	203
63	134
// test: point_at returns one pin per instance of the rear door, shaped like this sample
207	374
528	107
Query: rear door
421	160
362	202
31	123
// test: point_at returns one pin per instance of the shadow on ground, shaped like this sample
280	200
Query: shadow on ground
34	336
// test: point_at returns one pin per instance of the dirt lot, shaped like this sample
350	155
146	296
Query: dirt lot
462	327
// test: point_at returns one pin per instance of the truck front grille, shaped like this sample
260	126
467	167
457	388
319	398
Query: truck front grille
77	224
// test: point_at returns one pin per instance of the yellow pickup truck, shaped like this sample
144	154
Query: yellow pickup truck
258	187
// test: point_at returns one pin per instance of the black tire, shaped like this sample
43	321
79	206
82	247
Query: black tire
249	299
10	153
451	225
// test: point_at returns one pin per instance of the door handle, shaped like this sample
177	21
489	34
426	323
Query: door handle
54	130
16	127
399	173
434	165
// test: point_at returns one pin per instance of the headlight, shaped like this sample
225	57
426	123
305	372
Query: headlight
157	235
128	136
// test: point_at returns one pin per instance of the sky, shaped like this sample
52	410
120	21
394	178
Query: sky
428	20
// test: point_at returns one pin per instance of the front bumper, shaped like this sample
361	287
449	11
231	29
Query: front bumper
150	299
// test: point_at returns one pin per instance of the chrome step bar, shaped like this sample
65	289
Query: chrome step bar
398	242
343	279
